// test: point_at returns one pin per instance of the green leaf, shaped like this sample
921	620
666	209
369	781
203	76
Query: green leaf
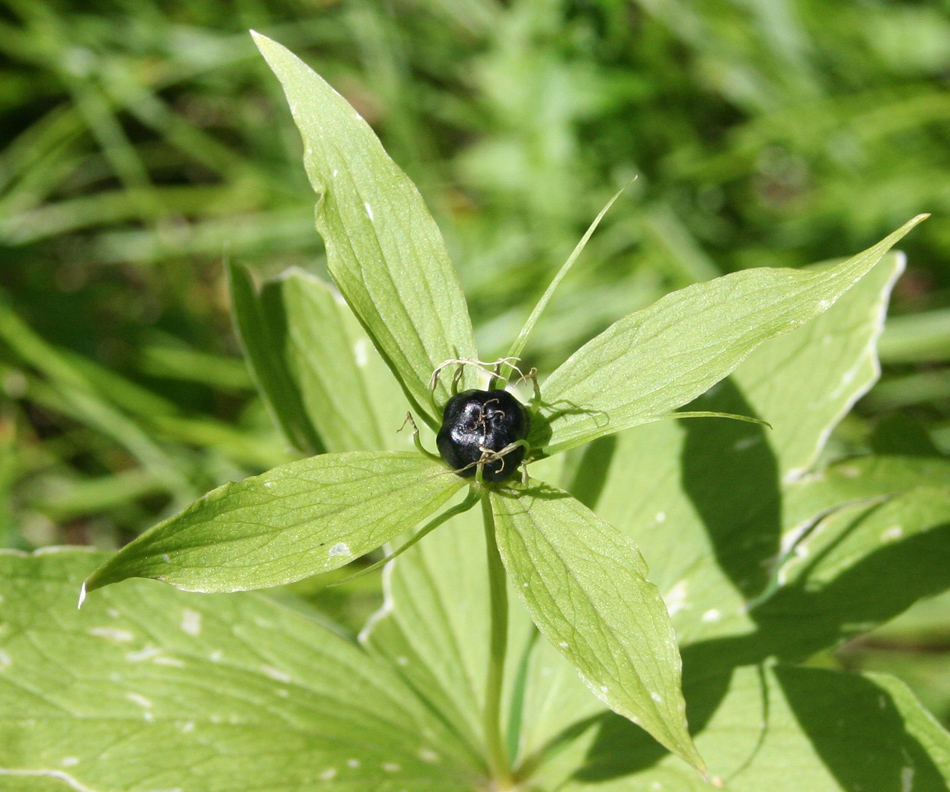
309	516
384	250
804	382
150	688
315	367
434	627
857	568
785	729
261	326
855	481
713	504
658	359
84	401
584	584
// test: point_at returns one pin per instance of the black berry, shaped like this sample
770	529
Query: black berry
479	420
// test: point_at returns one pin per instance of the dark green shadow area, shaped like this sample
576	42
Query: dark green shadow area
591	469
260	318
730	474
853	725
857	731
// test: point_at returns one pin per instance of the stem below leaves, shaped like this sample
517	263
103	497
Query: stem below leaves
497	754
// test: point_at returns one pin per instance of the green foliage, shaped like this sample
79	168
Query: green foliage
394	272
765	546
198	693
308	516
571	568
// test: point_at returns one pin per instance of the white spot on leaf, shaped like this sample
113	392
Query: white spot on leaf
746	443
276	673
70	761
5	660
113	634
339	549
712	615
328	775
676	597
660	518
892	534
174	662
360	352
907	779
369	211
191	621
146	653
403	661
391	767
564	645
428	755
137	698
656	697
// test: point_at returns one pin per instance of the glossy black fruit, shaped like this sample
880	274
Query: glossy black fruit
474	420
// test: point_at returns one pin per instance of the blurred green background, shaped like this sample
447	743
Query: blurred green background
143	142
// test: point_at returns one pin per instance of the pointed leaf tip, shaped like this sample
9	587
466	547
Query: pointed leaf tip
384	250
584	584
297	520
658	359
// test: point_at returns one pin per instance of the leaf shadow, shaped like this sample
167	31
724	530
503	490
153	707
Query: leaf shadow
548	412
792	625
740	506
892	759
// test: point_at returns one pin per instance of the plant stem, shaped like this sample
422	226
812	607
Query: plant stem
498	762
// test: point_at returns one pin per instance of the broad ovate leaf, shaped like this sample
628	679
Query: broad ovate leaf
712	503
784	729
315	367
858	567
384	250
656	360
584	584
309	516
148	688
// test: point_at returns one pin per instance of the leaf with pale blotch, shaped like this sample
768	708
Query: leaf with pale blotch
384	250
711	503
584	584
656	360
149	688
309	516
785	729
857	568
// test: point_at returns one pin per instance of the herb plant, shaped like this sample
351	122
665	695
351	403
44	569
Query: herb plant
762	557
